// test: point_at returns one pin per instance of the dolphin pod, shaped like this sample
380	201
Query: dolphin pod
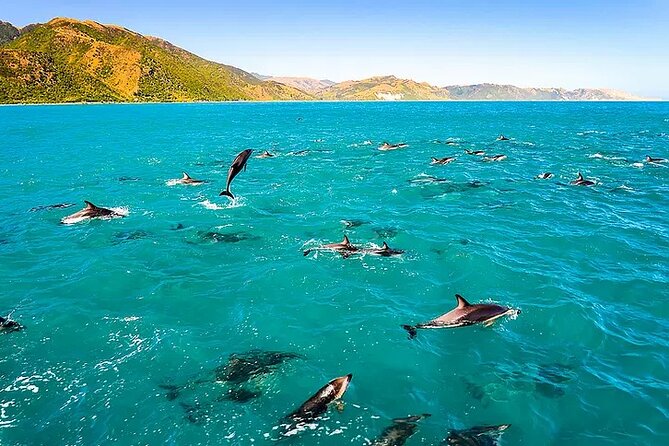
462	315
346	249
237	166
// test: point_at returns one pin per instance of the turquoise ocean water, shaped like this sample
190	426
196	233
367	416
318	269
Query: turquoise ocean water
115	309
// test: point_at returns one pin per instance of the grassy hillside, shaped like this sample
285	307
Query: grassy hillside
383	88
68	60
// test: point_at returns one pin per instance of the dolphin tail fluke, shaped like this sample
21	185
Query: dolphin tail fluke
307	252
411	330
227	194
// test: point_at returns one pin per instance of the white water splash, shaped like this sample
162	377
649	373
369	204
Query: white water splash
234	203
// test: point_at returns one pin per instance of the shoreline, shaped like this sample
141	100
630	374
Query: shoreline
29	104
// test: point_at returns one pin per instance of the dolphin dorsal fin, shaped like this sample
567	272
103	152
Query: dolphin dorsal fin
462	302
186	176
346	241
580	176
385	246
435	159
90	205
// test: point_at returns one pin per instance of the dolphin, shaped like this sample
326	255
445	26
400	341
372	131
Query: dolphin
655	160
384	251
388	146
544	176
318	403
448	159
89	212
476	436
237	165
344	247
464	314
494	158
399	432
502	138
265	154
186	179
475	152
7	325
580	181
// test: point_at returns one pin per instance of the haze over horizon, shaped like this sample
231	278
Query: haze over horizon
569	44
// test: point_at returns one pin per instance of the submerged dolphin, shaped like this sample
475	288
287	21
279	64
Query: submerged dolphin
464	314
89	212
500	157
502	138
8	325
544	176
51	206
446	160
344	247
318	403
237	165
580	181
399	432
186	179
476	436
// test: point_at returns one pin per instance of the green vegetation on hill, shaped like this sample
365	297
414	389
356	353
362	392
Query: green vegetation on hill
67	60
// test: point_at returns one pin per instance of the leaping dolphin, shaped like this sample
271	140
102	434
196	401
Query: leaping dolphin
344	247
237	165
91	211
580	181
186	179
318	403
446	160
7	325
464	314
399	432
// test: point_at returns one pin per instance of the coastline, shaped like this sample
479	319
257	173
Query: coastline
28	104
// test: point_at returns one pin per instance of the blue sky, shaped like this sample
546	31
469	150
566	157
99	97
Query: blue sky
587	43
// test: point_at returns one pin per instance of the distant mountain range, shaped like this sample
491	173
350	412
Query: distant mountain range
67	60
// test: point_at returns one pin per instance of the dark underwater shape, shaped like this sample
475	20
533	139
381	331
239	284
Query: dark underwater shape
240	395
230	237
476	436
52	206
126	236
399	432
242	367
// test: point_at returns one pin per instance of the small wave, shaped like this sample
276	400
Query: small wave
606	157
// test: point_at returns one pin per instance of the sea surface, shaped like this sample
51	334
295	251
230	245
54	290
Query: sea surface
118	312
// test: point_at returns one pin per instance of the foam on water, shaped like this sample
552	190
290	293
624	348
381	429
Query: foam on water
107	322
